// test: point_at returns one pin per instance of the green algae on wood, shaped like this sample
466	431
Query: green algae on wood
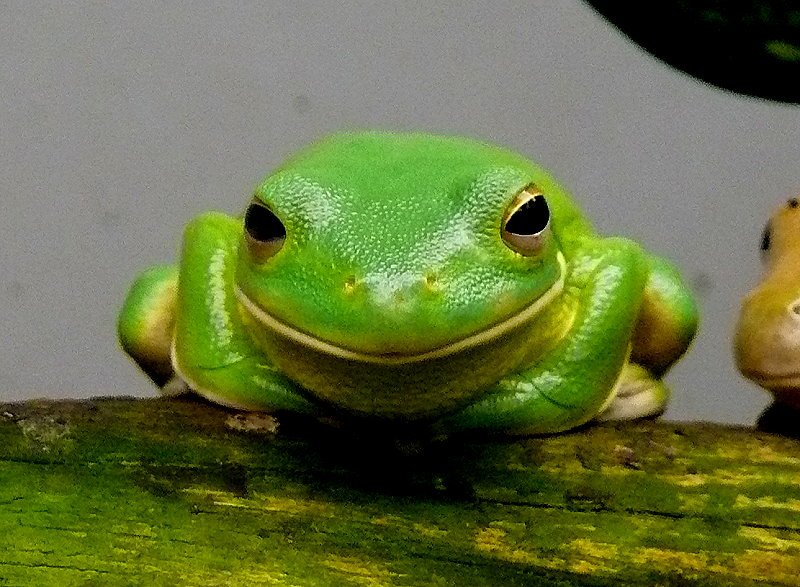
119	492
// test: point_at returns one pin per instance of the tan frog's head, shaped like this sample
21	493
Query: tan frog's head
767	339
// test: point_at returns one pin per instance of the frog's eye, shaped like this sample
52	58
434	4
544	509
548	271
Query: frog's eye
264	232
527	222
766	239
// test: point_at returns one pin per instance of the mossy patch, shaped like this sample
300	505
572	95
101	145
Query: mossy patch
166	491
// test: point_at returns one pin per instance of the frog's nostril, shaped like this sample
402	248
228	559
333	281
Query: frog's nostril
350	284
794	309
431	281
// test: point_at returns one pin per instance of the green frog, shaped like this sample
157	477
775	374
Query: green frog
767	339
413	278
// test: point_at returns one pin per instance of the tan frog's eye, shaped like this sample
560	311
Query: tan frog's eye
527	222
264	232
766	241
766	238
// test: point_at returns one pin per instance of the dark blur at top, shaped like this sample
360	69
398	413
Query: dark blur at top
746	46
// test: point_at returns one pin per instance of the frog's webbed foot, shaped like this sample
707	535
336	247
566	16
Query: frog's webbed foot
638	394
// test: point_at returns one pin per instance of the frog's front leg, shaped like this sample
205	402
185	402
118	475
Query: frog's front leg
576	380
667	320
212	350
665	327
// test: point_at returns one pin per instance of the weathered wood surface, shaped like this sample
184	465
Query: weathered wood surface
171	492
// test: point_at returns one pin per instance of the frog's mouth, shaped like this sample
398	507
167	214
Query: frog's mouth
484	336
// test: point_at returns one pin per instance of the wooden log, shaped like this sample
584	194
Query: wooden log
178	492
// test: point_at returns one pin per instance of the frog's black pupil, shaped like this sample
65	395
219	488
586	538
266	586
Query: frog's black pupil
262	225
765	238
529	219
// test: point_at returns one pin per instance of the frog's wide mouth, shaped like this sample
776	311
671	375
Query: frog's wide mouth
478	338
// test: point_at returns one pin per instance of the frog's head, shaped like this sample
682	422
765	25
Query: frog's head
377	251
779	241
767	342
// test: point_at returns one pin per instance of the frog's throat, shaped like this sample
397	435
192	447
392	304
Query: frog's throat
776	383
468	342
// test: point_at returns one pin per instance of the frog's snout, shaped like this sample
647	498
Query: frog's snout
768	343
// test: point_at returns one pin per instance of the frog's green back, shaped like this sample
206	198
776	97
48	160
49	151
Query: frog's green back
418	167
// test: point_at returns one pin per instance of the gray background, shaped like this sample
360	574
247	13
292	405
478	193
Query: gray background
120	121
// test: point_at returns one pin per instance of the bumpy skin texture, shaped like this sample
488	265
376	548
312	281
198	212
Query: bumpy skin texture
397	295
767	339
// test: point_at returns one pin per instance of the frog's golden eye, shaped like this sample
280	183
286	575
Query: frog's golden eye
527	222
264	232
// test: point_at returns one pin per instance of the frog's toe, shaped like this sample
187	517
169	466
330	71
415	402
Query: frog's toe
638	395
175	386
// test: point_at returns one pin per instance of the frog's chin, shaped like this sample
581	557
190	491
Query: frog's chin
783	383
481	337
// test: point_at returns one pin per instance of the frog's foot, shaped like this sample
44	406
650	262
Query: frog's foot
637	395
175	386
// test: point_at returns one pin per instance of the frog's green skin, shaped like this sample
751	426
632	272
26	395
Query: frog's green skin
767	339
395	295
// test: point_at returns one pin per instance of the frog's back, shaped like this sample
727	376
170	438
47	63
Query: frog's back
426	170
